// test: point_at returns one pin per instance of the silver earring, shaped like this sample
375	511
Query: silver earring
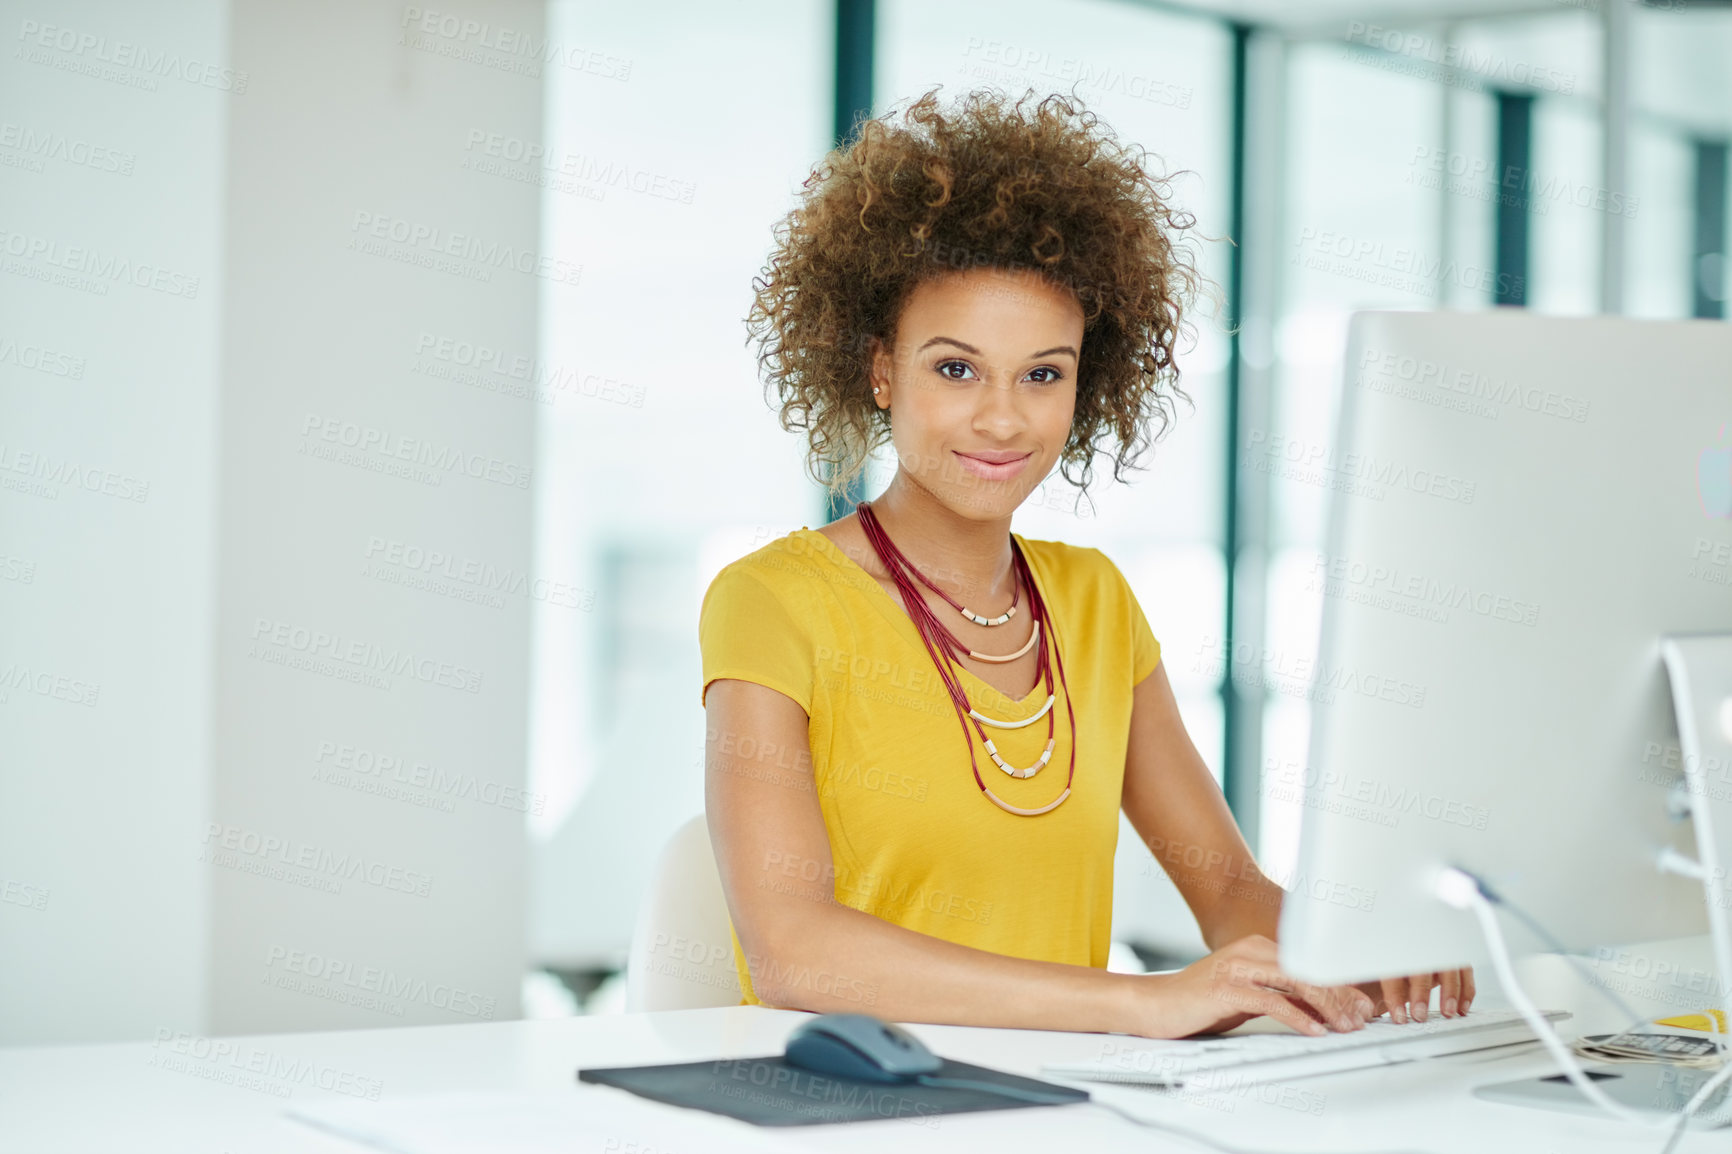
874	390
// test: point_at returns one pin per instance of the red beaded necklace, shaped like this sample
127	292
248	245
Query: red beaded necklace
939	639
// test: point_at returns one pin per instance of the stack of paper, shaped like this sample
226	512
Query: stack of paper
581	1120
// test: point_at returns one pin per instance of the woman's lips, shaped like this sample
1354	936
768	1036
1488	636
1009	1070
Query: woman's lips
995	466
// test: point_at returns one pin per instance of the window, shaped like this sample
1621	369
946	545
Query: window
660	460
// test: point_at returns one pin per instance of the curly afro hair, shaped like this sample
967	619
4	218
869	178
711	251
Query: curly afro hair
1038	186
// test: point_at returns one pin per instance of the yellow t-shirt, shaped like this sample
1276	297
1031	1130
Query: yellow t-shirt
913	839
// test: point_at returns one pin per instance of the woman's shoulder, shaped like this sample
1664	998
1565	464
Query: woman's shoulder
1072	562
1078	573
798	568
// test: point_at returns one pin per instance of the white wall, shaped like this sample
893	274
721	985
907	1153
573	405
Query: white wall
107	484
213	859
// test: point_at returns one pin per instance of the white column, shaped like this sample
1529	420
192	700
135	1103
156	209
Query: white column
375	583
265	477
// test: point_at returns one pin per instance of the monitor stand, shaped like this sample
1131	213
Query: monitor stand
1645	1087
1699	668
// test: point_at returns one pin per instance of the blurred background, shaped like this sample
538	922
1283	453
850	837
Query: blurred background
375	407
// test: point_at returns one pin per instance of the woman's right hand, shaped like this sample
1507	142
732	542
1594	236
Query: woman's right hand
1238	982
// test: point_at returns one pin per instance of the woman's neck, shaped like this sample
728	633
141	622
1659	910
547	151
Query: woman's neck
970	560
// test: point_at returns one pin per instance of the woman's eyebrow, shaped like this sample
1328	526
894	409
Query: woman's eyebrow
948	341
976	352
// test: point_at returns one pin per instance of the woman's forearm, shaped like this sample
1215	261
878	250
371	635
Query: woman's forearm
837	959
1253	908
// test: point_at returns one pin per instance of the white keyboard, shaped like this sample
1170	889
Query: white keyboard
1253	1058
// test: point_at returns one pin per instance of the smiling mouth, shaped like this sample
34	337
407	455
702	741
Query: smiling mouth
996	458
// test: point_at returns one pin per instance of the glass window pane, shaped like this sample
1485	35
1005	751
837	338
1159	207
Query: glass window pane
1658	256
1681	98
661	461
1564	217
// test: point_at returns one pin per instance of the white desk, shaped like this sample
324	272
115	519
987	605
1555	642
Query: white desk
120	1098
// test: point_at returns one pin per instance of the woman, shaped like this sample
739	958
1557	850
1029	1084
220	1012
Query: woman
922	727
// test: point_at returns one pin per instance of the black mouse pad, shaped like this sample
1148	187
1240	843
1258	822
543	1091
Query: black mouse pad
769	1092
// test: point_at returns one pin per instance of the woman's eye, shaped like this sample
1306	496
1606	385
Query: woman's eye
962	371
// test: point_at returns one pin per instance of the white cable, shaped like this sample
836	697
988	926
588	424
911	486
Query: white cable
1708	1088
1459	888
1506	974
1452	891
1690	1107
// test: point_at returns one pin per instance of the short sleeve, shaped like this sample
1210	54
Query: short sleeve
1145	650
748	634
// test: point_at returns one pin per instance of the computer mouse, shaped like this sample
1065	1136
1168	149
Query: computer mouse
859	1046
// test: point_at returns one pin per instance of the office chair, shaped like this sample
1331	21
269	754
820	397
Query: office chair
682	955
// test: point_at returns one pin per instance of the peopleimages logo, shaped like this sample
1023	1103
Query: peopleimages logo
1714	478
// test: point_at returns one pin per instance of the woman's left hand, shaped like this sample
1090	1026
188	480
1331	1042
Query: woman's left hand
1410	997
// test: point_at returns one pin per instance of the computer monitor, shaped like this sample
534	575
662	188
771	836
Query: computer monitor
1521	509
